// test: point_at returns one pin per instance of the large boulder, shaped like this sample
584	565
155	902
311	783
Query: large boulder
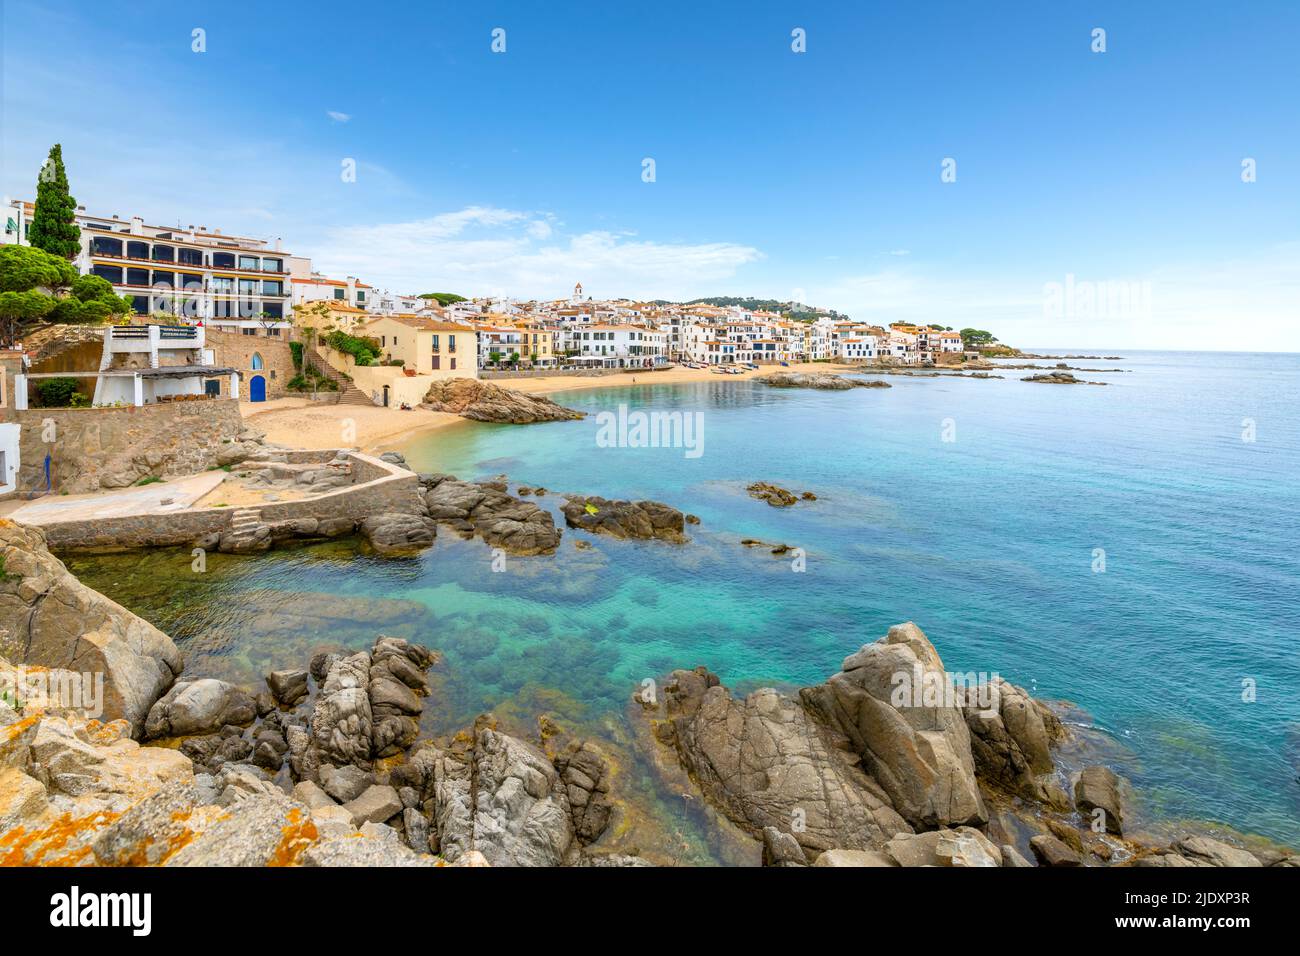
500	797
1011	739
962	847
484	402
765	761
199	707
624	519
915	746
49	618
398	533
341	721
1097	791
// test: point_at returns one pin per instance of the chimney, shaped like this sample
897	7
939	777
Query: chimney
277	243
137	226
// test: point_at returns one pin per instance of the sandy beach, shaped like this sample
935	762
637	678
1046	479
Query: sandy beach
301	423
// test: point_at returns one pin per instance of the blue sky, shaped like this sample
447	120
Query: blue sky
812	175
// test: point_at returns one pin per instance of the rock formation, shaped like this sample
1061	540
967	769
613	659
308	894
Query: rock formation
821	380
48	618
484	402
624	519
486	509
776	496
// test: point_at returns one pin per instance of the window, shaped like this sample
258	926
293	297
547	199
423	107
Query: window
190	257
249	262
272	288
222	284
167	278
137	276
248	286
137	250
435	345
140	304
164	254
275	310
453	363
338	293
105	246
248	330
272	265
437	359
111	273
273	333
361	296
223	260
191	282
257	361
451	347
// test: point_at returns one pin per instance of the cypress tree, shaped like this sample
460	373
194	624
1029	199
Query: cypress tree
54	226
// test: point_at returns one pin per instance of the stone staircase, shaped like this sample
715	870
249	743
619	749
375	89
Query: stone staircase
349	394
242	534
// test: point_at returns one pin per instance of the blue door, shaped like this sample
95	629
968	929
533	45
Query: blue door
257	389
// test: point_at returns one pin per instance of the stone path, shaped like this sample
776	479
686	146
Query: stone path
176	494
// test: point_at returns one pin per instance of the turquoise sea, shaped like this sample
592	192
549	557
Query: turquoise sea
1131	549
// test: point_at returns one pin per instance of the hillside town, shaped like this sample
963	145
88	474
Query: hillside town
204	277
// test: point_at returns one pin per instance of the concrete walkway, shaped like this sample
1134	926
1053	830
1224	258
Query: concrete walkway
177	494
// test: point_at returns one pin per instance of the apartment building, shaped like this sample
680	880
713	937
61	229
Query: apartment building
615	346
189	271
425	346
320	288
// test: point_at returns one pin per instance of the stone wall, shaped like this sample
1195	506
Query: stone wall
100	448
236	350
379	487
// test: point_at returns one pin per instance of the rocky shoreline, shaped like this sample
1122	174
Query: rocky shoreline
326	765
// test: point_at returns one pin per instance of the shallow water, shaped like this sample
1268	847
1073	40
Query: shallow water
989	542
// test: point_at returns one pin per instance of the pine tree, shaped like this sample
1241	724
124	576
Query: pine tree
54	226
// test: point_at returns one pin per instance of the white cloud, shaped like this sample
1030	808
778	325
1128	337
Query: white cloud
338	117
1188	305
483	249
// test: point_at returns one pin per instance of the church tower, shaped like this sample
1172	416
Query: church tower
577	294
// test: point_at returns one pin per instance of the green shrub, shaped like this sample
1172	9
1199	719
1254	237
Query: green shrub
296	349
56	392
363	350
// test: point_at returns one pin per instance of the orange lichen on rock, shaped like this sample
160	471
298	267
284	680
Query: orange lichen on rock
298	834
23	847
